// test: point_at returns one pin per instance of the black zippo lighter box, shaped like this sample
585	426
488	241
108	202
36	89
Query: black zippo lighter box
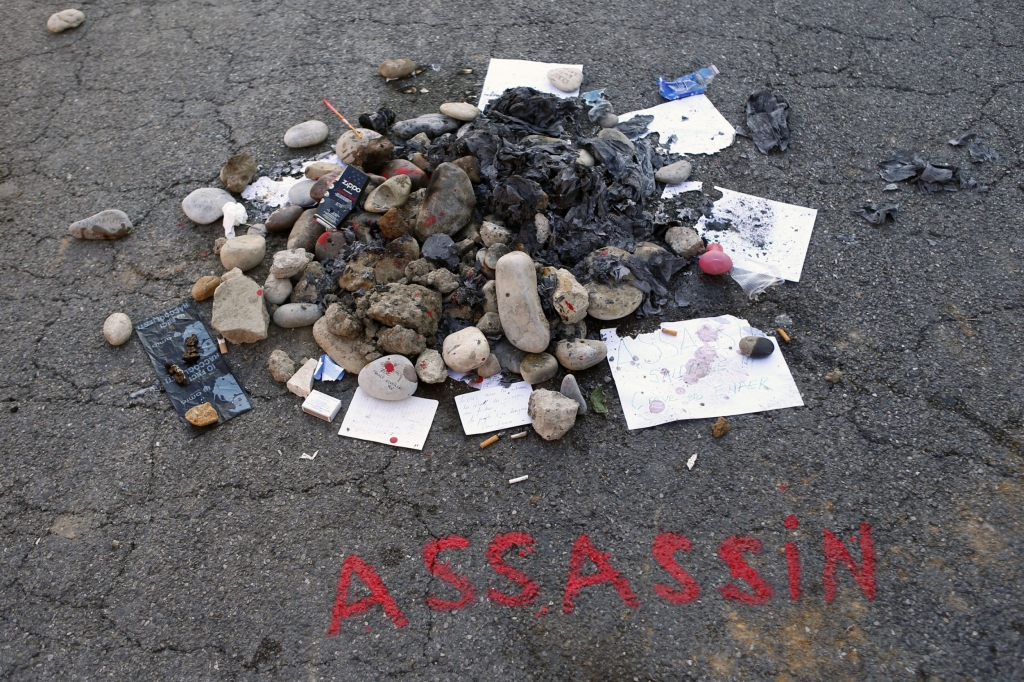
341	198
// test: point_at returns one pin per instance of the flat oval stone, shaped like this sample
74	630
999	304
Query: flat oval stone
396	68
283	218
612	301
318	169
306	134
460	111
756	346
206	205
403	167
298	194
465	350
617	135
565	78
64	19
244	253
674	173
579	354
537	368
294	315
109	224
391	377
204	287
392	194
430	124
519	306
117	329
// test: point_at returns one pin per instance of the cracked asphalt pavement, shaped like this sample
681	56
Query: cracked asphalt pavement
130	549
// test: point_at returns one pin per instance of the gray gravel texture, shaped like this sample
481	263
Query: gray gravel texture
130	549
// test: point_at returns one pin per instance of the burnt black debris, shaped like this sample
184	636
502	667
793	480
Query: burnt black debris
976	147
878	214
930	178
768	121
379	121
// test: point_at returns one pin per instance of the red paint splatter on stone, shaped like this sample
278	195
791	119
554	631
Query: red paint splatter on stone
322	239
259	292
430	220
389	367
395	440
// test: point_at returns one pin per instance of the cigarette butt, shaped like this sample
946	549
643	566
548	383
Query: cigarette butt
489	442
670	332
521	434
222	345
782	334
519	479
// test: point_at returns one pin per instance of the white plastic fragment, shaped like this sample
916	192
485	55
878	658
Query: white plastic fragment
520	479
309	457
234	214
690	462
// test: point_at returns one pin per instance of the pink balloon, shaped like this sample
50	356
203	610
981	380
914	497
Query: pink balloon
715	261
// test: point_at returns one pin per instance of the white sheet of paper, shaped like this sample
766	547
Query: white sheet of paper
699	128
696	374
493	409
402	423
503	74
688	186
770	236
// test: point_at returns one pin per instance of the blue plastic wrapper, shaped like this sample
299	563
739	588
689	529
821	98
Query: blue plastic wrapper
691	84
207	379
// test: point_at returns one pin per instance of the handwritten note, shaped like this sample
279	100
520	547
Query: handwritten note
696	374
402	423
493	409
503	74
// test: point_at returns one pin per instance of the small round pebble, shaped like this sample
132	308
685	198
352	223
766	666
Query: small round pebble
65	19
306	134
674	173
756	346
396	68
460	111
117	329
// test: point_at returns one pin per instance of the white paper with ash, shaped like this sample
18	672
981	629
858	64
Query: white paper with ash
696	374
759	234
691	125
503	74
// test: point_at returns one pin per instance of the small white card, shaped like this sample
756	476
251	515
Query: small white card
321	405
402	423
503	74
493	409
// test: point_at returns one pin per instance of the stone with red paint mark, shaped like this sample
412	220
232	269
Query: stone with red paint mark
430	367
402	167
570	298
239	313
448	203
409	305
391	377
402	341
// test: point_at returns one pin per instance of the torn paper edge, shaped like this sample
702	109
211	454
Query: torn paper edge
704	130
513	73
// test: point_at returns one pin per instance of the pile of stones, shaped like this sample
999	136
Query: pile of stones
432	271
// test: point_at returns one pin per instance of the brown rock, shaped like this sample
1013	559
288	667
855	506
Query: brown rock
409	305
720	427
373	157
320	187
283	218
471	166
398	254
352	354
305	232
237	172
396	68
204	287
402	341
202	415
358	273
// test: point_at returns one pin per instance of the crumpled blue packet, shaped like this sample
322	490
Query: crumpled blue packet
328	370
